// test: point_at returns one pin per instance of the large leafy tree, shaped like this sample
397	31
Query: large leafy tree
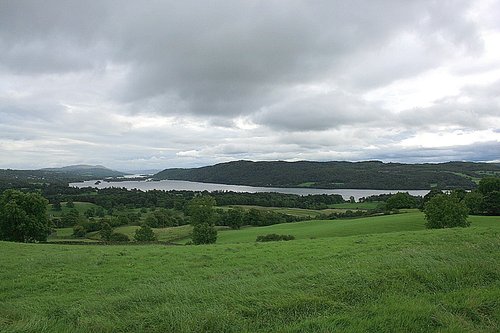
490	188
23	217
203	219
446	211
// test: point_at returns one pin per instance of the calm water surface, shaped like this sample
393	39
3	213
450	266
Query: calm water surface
168	185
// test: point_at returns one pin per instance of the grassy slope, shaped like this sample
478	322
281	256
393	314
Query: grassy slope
301	212
446	280
332	228
163	234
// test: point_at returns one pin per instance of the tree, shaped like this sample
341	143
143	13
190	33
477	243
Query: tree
70	203
432	193
56	206
106	231
490	188
401	200
71	218
203	219
79	231
489	184
474	201
445	211
145	234
23	217
491	203
233	218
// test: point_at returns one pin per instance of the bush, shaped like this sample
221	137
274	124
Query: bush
118	237
145	234
79	231
204	233
274	237
446	211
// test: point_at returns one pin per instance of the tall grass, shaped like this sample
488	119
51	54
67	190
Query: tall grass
411	281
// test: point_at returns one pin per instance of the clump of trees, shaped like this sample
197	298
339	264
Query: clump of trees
446	211
274	237
23	217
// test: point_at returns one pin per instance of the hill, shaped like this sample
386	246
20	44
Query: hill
10	178
331	175
84	170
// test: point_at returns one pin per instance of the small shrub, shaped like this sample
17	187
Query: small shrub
118	237
79	231
274	237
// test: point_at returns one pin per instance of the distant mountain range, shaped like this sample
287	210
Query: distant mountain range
332	175
94	171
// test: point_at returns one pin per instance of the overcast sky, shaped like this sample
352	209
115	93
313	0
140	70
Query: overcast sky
158	84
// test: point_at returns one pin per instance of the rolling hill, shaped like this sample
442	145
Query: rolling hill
331	175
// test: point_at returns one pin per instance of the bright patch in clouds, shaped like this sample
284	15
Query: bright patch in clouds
178	84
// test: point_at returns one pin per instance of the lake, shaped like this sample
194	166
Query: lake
168	185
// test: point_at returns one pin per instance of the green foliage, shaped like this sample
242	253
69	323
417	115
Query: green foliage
474	201
23	217
274	237
368	175
233	218
106	231
489	184
71	218
490	188
145	234
204	233
446	211
70	204
79	231
118	237
203	218
201	210
56	206
401	200
491	203
161	218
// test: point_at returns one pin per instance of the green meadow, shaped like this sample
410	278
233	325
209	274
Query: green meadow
377	274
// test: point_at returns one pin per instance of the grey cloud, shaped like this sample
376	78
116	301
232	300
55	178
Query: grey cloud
222	57
478	152
319	112
73	74
474	107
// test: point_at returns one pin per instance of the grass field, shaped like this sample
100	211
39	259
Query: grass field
413	281
301	212
411	221
356	205
164	234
